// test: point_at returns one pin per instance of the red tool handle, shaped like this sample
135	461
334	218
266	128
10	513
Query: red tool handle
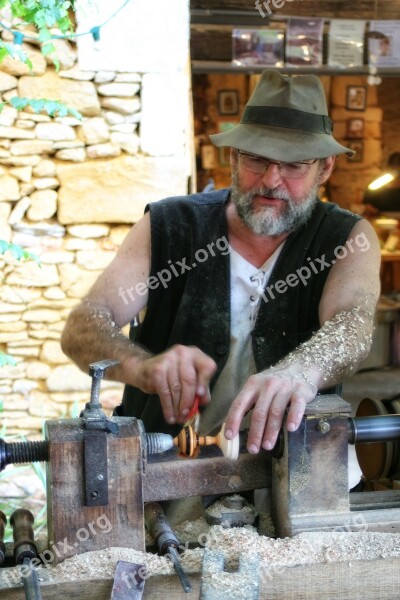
195	408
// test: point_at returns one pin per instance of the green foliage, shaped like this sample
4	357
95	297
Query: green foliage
54	108
14	51
18	252
6	359
43	16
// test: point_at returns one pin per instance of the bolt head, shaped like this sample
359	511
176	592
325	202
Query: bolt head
323	426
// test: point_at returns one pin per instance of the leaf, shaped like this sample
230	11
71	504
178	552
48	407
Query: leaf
18	252
44	35
3	52
37	105
32	256
19	103
7	359
4	246
16	52
56	63
49	48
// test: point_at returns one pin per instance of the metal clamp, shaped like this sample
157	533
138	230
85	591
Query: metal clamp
97	426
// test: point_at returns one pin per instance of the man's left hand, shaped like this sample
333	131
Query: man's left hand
269	393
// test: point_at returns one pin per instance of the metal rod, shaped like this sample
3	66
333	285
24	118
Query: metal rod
382	428
31	581
178	569
22	452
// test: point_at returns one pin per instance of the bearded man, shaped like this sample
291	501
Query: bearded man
255	297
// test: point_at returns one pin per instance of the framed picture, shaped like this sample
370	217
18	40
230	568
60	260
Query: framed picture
358	146
355	128
356	97
228	102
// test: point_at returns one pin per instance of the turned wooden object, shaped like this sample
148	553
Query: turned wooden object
189	443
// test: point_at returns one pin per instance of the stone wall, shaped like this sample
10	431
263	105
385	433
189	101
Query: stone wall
69	191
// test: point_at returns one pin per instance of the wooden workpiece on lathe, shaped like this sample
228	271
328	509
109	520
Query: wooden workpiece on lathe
189	443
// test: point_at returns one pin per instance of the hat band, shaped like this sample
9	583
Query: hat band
290	118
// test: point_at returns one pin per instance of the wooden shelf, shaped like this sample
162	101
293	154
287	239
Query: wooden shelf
214	66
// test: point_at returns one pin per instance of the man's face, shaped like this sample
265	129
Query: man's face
271	205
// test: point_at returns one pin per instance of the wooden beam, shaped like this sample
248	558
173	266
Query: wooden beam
169	480
358	9
218	66
358	580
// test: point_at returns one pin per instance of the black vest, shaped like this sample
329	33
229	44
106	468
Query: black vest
193	307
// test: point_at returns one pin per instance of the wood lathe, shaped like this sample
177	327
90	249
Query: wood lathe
102	470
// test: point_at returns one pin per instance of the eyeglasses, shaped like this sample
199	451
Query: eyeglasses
259	166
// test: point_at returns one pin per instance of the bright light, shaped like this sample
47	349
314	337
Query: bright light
381	181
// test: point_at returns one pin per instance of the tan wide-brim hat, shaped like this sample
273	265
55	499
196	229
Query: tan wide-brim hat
286	119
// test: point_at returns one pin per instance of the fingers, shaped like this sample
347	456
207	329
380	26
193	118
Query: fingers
270	396
243	402
176	385
296	412
177	376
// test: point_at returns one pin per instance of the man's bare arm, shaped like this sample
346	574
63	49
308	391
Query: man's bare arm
347	309
93	332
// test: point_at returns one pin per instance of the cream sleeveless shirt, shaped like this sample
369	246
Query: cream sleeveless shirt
247	285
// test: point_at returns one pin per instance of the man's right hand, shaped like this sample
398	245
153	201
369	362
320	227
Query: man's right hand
177	376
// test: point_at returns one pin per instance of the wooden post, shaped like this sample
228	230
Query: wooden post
73	527
310	480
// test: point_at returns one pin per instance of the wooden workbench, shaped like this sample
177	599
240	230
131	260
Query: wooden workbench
358	580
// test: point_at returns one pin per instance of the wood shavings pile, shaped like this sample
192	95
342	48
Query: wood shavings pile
102	564
305	548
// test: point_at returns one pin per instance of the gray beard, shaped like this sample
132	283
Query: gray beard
265	221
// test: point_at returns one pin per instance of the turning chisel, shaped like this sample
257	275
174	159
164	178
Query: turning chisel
166	541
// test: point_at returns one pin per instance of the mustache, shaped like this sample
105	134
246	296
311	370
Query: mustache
269	193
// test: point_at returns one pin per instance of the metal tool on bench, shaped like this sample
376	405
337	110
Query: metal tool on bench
166	541
128	581
25	550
